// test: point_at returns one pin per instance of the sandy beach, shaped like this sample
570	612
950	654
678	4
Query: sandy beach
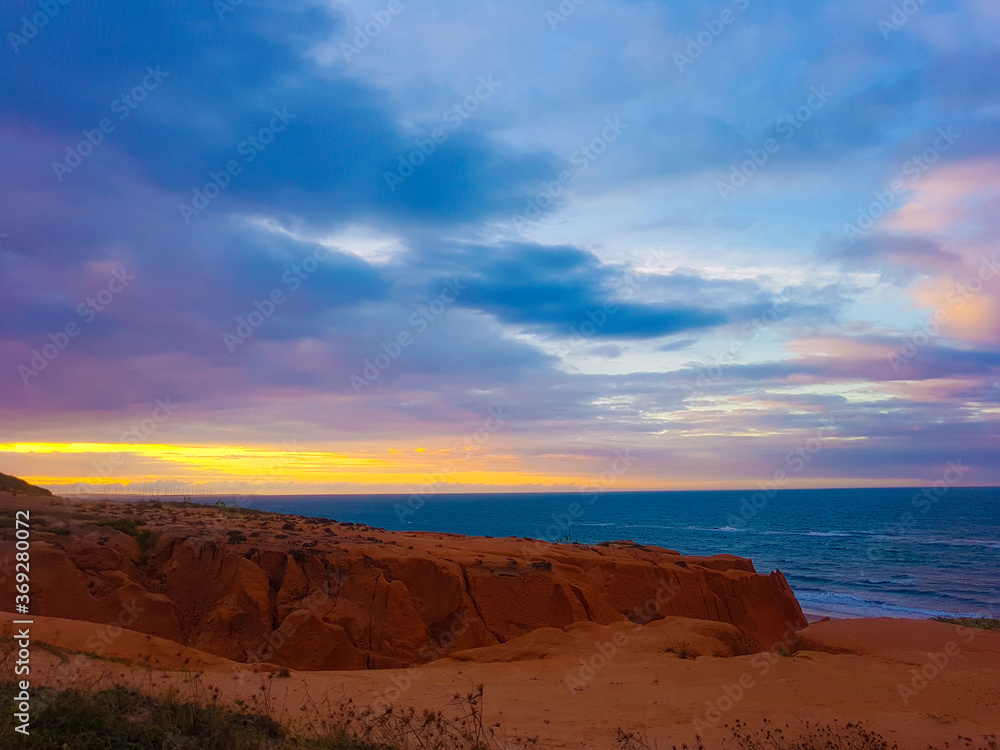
845	671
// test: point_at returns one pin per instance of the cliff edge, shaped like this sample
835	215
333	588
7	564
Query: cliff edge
314	594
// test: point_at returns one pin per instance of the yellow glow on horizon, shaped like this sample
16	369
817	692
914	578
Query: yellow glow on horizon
223	458
205	465
465	484
404	480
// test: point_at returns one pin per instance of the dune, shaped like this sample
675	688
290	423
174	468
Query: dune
535	681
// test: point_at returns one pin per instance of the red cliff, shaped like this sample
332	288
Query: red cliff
315	594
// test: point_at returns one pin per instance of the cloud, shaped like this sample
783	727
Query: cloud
587	344
895	255
224	80
559	289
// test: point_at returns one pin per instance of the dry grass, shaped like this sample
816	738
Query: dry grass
120	718
190	713
461	725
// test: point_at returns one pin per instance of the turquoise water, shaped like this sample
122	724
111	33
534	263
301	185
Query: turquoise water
867	552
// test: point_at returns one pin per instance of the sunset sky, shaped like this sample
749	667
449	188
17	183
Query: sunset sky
302	247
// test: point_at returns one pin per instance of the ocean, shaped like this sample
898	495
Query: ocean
854	553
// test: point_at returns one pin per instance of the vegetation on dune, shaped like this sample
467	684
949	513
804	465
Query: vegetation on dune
815	735
807	735
124	719
20	487
147	539
683	651
983	623
125	525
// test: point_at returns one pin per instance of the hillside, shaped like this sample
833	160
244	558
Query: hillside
16	486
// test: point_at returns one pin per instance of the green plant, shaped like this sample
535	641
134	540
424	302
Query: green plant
147	540
9	483
128	526
124	719
683	651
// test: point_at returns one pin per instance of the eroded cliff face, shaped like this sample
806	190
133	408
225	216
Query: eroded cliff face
313	594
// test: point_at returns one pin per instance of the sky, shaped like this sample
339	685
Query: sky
294	246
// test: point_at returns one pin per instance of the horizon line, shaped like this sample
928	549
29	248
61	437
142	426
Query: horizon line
583	491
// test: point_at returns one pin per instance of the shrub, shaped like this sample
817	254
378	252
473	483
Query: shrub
983	623
125	525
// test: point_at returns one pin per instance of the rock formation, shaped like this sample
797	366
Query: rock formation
312	594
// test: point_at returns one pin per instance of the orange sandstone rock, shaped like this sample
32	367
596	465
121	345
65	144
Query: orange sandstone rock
316	595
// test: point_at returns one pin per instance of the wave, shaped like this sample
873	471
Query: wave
922	539
722	529
773	532
850	605
879	536
986	543
898	580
